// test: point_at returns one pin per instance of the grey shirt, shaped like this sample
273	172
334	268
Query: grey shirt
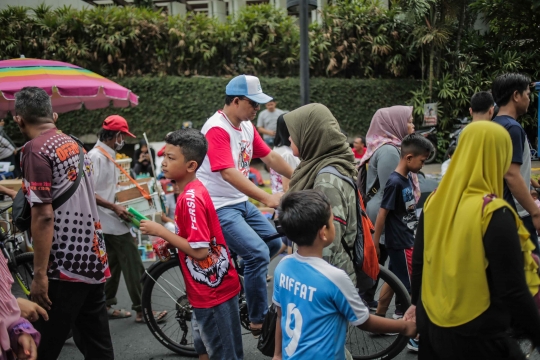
383	162
268	120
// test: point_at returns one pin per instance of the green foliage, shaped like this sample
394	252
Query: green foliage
356	39
165	102
360	39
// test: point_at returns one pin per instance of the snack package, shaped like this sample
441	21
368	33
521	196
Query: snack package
161	249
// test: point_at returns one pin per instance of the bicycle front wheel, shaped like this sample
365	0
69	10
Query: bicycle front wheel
164	289
23	273
364	345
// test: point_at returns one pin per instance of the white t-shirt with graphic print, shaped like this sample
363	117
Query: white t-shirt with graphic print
228	147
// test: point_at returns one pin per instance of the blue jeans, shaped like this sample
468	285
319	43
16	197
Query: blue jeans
244	228
217	332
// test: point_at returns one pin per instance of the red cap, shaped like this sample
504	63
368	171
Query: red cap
162	151
117	123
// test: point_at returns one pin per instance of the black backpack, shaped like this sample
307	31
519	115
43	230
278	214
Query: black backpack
361	181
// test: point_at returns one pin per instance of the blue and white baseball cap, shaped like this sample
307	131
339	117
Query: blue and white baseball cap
248	86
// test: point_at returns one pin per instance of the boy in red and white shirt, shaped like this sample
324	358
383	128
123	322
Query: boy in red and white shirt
212	283
232	142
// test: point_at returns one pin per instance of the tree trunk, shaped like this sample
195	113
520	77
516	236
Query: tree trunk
431	58
423	66
459	32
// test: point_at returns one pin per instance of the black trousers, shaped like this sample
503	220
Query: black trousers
80	307
445	344
141	168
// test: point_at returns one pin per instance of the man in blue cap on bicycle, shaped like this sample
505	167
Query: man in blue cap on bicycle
233	142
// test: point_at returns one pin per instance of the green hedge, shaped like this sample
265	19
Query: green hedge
165	102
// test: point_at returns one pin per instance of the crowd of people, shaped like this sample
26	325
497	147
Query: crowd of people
467	258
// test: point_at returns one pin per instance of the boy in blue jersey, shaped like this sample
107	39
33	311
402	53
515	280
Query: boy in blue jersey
315	299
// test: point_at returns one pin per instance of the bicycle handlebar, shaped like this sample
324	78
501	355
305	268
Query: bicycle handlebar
5	209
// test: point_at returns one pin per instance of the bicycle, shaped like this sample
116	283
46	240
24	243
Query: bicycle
20	263
164	289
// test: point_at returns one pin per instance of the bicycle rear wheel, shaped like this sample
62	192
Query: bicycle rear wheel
23	273
365	345
164	289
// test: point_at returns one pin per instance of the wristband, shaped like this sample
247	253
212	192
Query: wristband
22	326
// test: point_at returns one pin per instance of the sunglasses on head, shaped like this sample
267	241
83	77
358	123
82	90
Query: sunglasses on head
254	104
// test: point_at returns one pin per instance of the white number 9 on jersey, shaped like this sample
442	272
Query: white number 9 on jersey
295	333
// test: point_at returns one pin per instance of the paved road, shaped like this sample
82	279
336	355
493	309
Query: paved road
134	341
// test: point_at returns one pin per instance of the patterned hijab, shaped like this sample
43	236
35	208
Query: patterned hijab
389	126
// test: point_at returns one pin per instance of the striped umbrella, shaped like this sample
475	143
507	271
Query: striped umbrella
69	85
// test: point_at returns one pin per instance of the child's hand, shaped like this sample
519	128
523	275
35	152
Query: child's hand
151	228
31	311
27	348
410	314
409	330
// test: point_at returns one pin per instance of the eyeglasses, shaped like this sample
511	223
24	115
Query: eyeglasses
254	104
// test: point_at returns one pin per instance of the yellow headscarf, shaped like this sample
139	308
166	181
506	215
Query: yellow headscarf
454	283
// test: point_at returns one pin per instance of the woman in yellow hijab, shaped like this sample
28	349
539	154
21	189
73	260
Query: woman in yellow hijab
473	274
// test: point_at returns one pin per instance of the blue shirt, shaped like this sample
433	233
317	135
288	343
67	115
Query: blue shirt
317	301
401	221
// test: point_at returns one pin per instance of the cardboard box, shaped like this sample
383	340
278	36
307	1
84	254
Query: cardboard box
14	184
140	181
131	194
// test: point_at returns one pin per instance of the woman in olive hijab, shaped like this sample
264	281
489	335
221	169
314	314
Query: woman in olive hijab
317	140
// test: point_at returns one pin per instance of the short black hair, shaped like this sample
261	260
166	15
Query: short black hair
504	86
361	138
282	133
192	143
416	145
481	102
106	135
451	150
34	105
229	99
302	214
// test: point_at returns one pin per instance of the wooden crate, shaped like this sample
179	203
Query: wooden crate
126	165
130	194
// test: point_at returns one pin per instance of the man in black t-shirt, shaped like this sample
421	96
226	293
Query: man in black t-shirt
511	93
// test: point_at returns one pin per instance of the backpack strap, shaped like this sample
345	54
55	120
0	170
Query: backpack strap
143	192
59	201
332	170
377	185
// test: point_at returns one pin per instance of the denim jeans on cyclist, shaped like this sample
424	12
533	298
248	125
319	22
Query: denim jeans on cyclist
217	331
244	228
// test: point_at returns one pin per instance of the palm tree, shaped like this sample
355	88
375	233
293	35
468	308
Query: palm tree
431	31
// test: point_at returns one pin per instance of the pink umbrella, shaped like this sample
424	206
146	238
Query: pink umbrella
69	86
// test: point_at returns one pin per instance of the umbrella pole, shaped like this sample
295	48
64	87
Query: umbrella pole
161	193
